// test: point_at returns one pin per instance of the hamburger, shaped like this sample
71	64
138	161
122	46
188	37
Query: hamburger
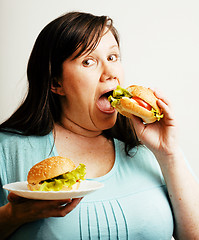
55	174
137	100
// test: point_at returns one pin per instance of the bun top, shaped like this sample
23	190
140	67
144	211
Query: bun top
146	94
49	168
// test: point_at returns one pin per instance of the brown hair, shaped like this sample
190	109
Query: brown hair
57	42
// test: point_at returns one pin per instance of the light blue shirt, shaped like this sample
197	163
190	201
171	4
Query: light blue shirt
132	205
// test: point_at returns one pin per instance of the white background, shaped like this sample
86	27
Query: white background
159	44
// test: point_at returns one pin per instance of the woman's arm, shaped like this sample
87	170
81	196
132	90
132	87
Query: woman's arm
184	195
161	139
21	210
8	225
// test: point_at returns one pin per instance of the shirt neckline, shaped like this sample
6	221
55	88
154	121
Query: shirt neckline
99	179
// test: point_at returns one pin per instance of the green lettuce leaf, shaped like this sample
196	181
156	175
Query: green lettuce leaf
156	114
67	179
118	93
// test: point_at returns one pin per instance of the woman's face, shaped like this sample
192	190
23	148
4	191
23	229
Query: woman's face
84	82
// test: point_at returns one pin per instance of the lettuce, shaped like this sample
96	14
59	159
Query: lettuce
118	93
156	114
67	179
114	101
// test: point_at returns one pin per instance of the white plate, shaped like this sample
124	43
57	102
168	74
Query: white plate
21	189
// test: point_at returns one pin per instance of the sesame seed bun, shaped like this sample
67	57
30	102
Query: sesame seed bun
47	169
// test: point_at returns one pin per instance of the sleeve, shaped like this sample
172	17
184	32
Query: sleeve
3	181
3	195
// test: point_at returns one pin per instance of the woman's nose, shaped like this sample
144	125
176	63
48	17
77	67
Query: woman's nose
108	72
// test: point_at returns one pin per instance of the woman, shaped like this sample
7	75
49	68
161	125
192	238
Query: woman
74	65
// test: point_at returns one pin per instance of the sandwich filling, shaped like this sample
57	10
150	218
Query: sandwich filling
67	179
120	92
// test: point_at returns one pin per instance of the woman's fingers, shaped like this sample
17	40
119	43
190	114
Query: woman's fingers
161	96
165	105
52	208
13	198
65	209
60	209
29	210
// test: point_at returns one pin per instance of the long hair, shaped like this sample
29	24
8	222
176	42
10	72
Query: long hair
56	43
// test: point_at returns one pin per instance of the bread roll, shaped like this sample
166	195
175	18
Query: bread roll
48	169
125	103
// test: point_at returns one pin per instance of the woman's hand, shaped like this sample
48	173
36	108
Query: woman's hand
160	137
28	210
21	210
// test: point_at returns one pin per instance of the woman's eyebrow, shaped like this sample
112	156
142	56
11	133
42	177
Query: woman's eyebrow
89	53
114	46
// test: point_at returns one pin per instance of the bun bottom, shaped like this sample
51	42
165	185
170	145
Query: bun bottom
128	107
36	187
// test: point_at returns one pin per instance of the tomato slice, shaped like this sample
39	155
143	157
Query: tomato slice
142	103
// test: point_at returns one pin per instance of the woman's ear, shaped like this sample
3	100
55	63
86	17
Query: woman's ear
56	87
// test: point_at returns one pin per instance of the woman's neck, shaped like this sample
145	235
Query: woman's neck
73	128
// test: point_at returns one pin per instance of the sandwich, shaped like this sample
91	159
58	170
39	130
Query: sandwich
136	100
55	174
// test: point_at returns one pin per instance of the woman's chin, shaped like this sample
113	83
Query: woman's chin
107	121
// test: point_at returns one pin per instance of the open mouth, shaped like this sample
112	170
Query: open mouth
107	94
103	104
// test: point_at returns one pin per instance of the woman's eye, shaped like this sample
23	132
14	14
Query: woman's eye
88	62
113	57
